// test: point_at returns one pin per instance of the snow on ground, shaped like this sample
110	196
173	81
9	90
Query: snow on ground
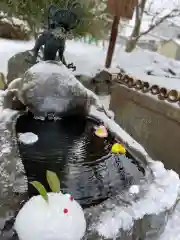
172	231
8	48
164	71
90	59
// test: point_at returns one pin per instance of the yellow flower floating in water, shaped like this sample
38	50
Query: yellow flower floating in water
101	132
118	148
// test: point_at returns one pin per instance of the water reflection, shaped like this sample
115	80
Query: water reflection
83	161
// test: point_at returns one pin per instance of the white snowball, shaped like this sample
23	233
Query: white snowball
41	220
134	189
28	138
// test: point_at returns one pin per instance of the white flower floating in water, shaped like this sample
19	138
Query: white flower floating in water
28	138
134	189
50	216
101	132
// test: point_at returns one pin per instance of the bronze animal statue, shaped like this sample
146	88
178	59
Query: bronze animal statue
60	23
49	44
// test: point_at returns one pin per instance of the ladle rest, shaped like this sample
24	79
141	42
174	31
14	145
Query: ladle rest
84	162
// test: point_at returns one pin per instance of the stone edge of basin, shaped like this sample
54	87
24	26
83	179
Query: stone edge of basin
137	150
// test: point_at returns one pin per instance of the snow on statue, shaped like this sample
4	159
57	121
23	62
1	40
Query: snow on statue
49	87
59	218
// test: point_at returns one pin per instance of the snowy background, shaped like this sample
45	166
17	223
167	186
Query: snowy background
89	59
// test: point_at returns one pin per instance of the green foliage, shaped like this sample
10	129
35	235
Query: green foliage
96	20
53	181
41	189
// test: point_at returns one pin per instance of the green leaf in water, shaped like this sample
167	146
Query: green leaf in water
41	189
53	181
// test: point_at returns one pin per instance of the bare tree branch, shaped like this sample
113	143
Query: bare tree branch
172	14
157	17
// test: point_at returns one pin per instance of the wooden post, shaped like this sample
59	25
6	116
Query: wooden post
119	8
112	42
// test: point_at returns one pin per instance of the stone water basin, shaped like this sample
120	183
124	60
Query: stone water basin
113	214
99	180
83	162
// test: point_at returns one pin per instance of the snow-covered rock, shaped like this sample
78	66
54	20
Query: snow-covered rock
61	218
50	87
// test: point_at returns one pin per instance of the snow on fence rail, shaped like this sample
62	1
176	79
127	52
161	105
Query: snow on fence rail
161	92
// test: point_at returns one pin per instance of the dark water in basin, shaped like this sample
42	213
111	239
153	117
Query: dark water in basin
83	161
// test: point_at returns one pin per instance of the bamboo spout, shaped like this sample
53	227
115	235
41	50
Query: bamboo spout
163	93
155	89
139	84
173	95
132	82
146	87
